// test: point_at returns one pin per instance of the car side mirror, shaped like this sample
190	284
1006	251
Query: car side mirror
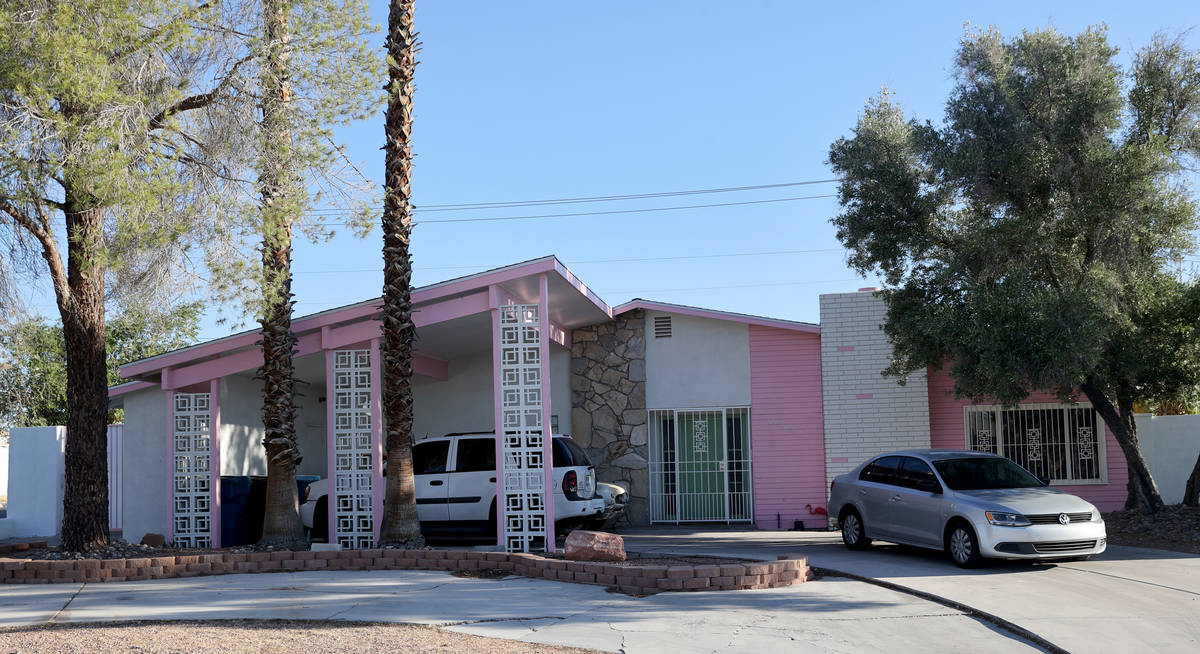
1044	479
929	486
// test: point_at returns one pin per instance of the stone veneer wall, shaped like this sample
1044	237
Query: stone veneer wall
608	405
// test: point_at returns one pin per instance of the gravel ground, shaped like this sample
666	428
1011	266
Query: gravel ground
253	636
1177	529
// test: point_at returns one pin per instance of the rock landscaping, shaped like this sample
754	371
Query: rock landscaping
1175	528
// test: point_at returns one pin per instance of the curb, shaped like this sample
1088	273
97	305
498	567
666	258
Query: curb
1000	622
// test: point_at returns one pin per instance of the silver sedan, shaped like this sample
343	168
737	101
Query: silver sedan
970	504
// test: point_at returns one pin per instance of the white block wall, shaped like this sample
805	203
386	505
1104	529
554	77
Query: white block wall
865	412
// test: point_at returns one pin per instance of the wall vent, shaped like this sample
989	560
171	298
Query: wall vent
662	326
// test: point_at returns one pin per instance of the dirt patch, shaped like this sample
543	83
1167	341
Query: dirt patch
1176	528
250	636
636	561
482	573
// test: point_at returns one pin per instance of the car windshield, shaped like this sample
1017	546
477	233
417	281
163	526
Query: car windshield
984	473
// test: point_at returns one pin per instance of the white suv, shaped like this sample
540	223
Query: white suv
455	479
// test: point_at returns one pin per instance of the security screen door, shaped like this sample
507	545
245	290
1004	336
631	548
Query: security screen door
700	465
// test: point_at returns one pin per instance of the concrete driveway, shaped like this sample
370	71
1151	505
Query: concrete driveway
837	615
1126	600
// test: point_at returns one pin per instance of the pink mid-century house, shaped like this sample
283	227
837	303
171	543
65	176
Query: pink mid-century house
705	416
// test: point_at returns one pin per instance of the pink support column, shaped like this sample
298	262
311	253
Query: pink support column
170	531
377	434
498	418
547	431
330	466
214	460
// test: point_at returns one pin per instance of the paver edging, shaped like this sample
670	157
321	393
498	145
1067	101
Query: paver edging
634	580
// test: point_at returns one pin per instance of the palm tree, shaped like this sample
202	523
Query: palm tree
280	208
400	522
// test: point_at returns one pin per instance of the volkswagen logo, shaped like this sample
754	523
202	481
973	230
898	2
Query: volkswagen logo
1064	519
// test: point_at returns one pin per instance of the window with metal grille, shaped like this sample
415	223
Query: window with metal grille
1064	442
662	326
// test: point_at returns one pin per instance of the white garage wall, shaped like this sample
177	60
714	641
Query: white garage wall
145	464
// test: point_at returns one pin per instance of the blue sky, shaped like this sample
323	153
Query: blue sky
531	100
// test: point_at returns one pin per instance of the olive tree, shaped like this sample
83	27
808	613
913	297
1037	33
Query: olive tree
1027	240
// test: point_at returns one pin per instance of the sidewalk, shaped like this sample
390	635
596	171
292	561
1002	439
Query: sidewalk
827	615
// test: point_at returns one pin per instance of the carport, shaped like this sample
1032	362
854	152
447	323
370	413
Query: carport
492	349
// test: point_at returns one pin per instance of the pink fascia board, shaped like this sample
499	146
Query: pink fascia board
247	339
483	279
129	387
718	315
459	307
367	308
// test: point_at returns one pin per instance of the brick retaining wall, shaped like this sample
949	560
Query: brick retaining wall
634	580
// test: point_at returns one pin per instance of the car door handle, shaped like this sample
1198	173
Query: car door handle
894	498
435	482
862	492
492	480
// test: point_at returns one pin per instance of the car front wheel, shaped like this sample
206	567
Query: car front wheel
853	534
963	546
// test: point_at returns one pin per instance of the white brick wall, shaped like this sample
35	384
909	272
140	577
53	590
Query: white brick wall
865	412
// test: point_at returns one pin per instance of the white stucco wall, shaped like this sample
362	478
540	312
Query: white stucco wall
560	387
4	468
1170	446
461	403
310	429
36	482
465	402
865	412
704	363
145	469
241	427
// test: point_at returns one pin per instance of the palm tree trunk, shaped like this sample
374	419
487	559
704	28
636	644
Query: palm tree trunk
281	520
400	522
81	307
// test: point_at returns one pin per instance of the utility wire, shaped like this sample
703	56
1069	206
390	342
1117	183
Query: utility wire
602	213
588	199
612	198
587	261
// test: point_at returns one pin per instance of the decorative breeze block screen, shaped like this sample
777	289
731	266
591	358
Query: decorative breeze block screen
353	470
192	492
524	440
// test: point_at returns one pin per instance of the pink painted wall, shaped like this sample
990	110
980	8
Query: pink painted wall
947	431
787	432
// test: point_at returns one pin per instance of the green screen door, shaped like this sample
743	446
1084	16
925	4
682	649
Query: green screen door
701	458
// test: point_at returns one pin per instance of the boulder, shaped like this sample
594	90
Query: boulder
154	540
585	545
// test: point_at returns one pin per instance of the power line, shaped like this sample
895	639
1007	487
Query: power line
605	213
589	261
506	204
613	198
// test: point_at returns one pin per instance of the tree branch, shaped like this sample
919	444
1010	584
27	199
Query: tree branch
198	101
58	274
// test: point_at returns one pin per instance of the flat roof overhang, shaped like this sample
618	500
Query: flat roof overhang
453	319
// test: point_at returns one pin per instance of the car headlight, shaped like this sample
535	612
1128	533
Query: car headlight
1005	519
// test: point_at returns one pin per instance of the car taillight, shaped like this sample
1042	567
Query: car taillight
570	482
831	486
